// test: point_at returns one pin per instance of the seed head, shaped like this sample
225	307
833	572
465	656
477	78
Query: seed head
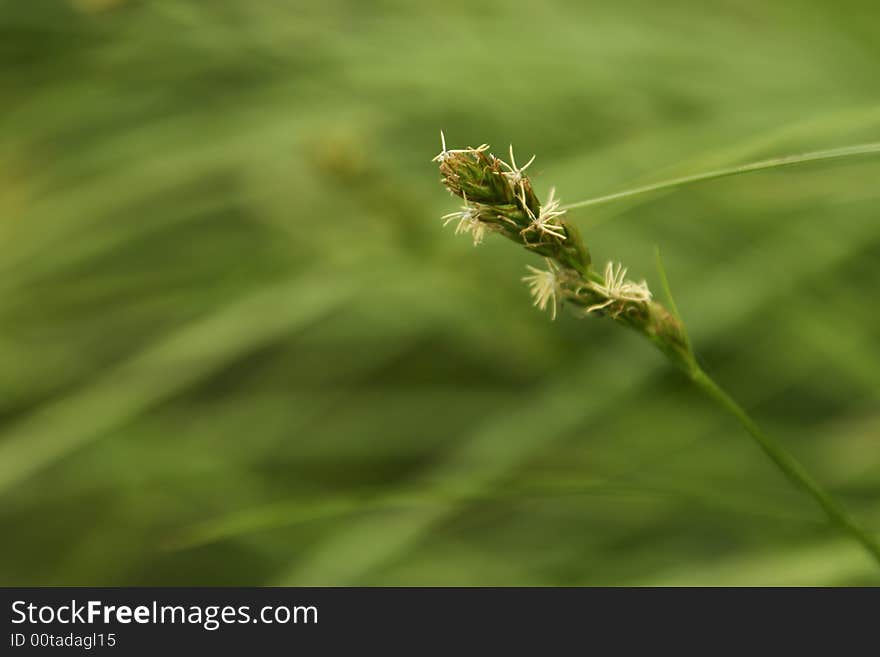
508	204
498	197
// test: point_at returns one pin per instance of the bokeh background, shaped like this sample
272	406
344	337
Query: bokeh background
237	346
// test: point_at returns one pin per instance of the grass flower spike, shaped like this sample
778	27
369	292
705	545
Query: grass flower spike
499	198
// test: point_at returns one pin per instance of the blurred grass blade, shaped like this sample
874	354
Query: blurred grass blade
834	562
169	367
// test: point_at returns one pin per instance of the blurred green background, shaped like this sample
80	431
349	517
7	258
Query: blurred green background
237	346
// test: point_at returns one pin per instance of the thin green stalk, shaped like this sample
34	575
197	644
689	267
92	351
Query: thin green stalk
789	466
787	463
815	156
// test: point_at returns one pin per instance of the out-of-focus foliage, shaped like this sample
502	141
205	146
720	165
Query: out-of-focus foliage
237	347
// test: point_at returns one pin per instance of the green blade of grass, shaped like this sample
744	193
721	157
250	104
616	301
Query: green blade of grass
54	430
763	165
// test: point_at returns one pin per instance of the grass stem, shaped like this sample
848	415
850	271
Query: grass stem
792	469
